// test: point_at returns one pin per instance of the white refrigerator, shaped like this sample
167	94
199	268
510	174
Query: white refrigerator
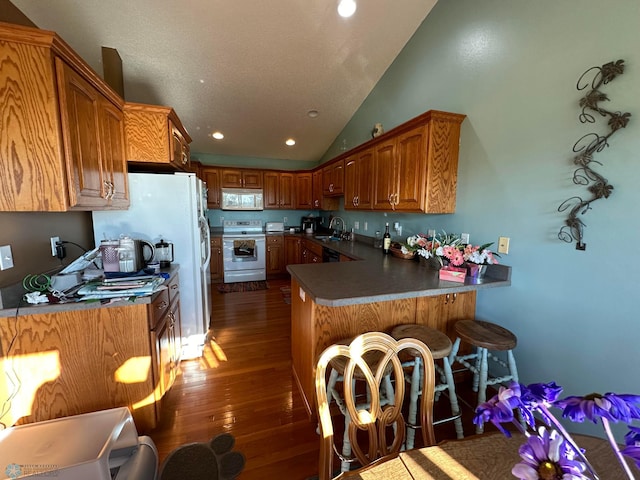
171	206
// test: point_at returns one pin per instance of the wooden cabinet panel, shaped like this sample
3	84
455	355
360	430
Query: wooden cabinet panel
443	311
303	191
358	181
114	159
216	260
241	178
333	178
155	135
287	190
79	361
278	190
211	176
293	250
62	149
319	200
275	263
385	184
410	169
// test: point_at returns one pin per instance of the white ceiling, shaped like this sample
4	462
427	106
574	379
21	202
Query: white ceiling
249	68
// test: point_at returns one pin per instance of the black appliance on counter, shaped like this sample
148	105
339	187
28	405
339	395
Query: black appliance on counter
314	223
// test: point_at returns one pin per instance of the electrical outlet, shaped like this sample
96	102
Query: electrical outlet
464	238
6	257
221	220
365	226
285	220
503	245
431	233
356	225
54	241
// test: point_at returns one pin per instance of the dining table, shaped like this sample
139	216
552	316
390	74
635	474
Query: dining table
489	456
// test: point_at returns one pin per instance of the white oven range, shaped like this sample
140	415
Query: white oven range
243	251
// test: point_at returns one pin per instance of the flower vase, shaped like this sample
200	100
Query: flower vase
476	270
433	263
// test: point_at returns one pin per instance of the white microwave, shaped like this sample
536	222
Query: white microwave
241	199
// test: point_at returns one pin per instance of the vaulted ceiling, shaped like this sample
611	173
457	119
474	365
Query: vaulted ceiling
250	69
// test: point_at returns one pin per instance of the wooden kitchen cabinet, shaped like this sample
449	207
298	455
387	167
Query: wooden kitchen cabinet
64	148
416	165
240	178
83	360
292	250
211	176
216	265
443	311
304	191
358	179
155	135
333	178
311	252
275	263
318	199
279	190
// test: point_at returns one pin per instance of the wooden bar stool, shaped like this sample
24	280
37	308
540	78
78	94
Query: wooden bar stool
485	337
338	365
440	346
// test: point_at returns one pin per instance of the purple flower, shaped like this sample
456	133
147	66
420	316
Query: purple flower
548	457
536	393
538	396
610	406
632	440
499	408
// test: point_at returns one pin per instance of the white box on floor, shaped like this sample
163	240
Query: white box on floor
95	446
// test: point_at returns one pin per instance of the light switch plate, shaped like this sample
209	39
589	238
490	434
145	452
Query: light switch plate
503	245
6	257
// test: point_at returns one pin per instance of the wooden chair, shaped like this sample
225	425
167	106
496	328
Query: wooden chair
373	431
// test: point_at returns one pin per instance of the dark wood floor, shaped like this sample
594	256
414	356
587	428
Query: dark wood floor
243	385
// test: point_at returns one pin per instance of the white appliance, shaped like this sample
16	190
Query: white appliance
102	445
241	199
243	251
171	207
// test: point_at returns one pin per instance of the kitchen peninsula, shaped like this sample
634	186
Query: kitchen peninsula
333	301
72	358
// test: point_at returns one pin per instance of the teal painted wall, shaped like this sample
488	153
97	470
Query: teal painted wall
511	66
236	161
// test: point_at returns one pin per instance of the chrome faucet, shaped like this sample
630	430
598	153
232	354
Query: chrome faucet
333	219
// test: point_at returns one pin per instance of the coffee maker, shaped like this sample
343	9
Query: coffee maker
309	224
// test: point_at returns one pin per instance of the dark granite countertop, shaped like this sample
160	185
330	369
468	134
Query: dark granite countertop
11	304
375	277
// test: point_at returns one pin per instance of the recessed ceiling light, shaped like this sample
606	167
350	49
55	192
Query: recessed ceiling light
346	8
291	142
217	135
312	113
201	80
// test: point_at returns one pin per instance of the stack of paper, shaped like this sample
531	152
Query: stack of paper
121	287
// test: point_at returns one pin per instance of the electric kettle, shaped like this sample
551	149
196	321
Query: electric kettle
132	254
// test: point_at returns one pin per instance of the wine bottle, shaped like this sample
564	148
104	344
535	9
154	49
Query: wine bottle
386	239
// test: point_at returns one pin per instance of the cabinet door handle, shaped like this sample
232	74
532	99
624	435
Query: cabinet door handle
162	305
174	287
455	297
446	299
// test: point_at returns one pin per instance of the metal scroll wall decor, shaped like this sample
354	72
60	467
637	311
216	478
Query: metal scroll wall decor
587	146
